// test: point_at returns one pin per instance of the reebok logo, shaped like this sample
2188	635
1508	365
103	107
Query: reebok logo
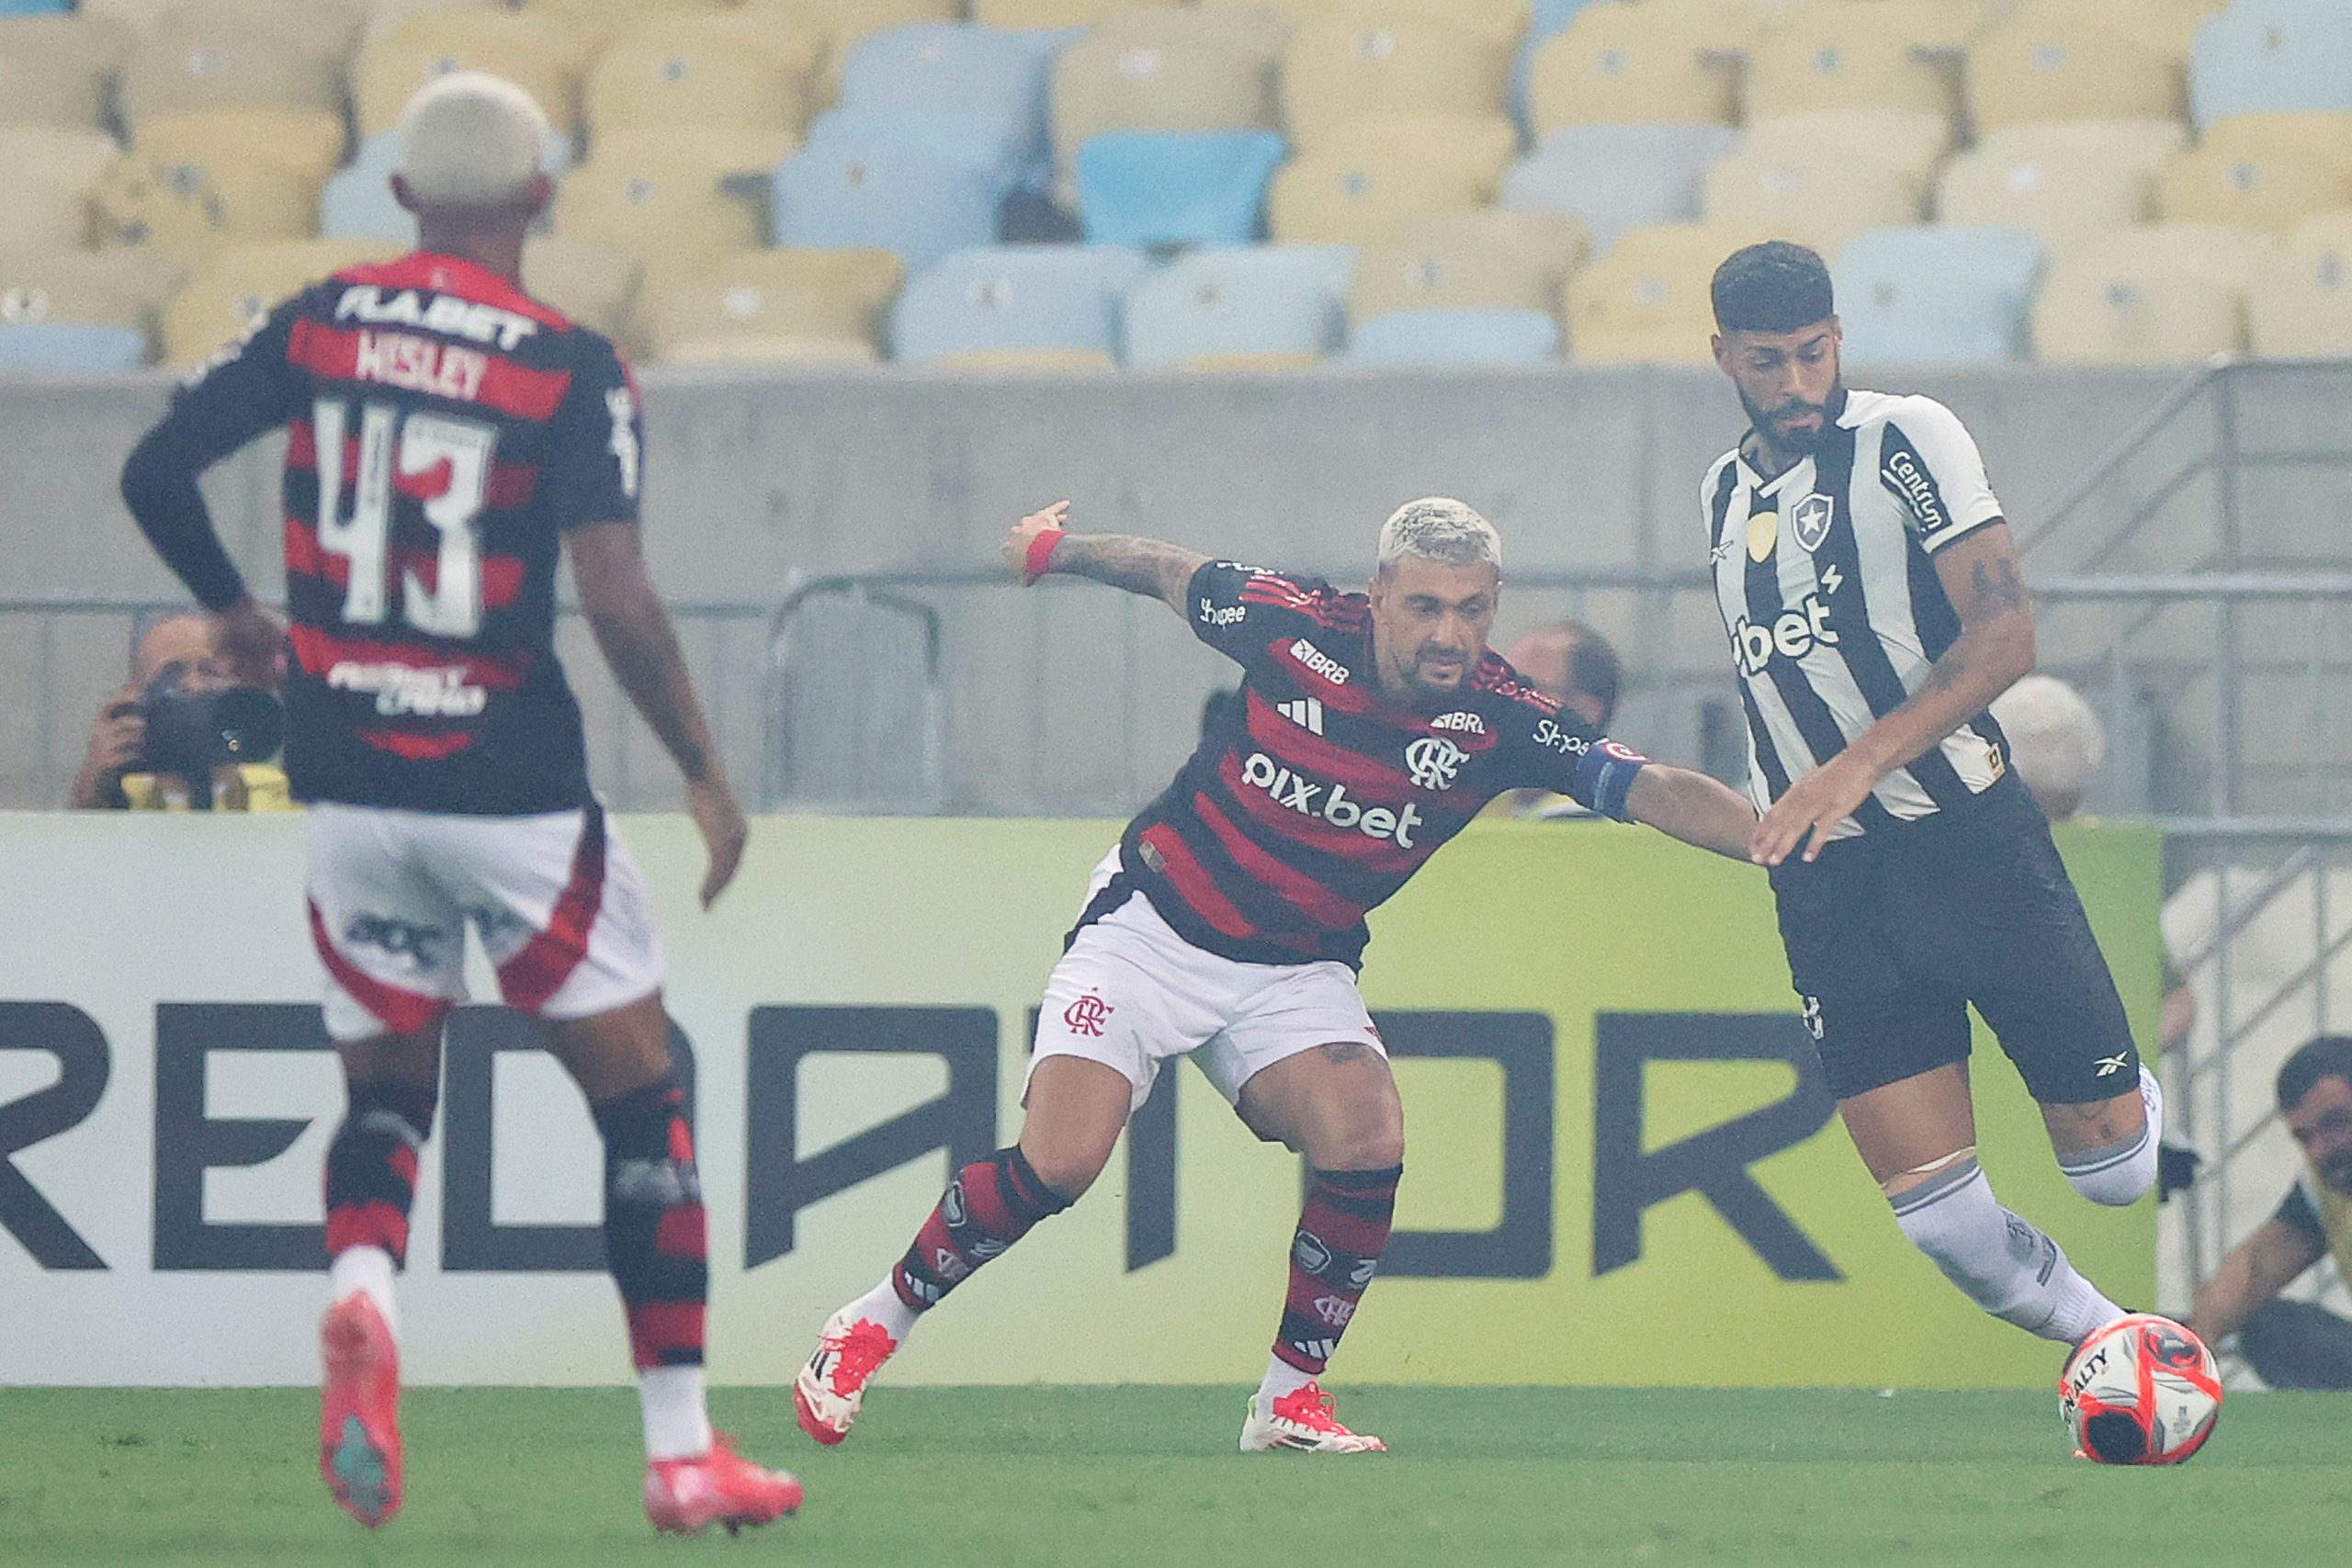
2108	1065
1792	634
1329	802
1322	664
1307	712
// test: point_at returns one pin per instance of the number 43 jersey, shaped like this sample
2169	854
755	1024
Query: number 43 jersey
444	431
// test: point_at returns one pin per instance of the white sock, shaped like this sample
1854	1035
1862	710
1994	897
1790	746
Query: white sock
1282	1379
882	1305
1999	1261
678	1422
2121	1172
365	1269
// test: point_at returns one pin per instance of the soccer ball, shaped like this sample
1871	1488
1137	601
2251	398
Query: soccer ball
2142	1391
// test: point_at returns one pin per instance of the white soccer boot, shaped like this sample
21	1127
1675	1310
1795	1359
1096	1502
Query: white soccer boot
829	1389
1303	1419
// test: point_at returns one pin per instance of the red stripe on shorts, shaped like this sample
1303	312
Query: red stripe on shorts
546	961
403	1013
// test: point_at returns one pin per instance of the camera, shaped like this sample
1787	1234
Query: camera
189	733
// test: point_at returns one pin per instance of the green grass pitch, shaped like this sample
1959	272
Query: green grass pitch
1110	1477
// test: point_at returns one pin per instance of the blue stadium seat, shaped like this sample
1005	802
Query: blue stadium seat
1457	337
1617	177
842	189
993	84
1934	296
1176	187
70	345
2274	55
35	7
1261	302
1015	297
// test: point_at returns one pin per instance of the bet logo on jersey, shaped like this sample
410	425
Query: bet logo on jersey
1331	803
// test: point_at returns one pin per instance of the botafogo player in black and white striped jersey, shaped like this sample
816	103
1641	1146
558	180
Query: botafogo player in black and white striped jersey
1874	601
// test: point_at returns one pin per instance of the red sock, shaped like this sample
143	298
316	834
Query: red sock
655	1233
1342	1231
371	1167
990	1205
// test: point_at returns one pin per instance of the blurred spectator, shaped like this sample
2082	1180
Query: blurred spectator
2056	742
176	681
1575	666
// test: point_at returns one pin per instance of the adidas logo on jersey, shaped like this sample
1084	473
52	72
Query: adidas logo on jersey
1792	634
1307	712
1329	802
1322	664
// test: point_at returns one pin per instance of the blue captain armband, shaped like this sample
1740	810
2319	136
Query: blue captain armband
1605	776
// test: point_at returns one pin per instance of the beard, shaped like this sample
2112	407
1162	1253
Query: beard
1794	443
2336	1173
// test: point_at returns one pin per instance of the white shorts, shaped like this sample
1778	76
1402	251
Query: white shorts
1131	994
559	903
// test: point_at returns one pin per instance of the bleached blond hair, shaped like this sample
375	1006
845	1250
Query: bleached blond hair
1440	528
469	139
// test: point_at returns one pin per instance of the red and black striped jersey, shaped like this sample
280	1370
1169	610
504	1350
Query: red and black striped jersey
444	431
1314	797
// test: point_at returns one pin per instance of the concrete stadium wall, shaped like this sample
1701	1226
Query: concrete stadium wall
756	479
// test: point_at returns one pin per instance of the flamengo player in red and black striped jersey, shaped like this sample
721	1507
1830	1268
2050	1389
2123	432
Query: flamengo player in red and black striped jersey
448	436
1229	923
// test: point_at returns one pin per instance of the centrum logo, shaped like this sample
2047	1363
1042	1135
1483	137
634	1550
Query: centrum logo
1329	802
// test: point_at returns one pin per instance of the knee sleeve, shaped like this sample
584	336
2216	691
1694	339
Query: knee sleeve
2116	1174
2001	1262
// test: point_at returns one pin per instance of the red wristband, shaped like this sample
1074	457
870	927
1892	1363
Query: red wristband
1041	553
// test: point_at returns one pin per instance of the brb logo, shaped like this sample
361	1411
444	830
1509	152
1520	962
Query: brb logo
1322	664
1792	634
1331	803
1433	761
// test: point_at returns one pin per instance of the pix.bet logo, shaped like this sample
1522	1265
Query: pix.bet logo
1329	802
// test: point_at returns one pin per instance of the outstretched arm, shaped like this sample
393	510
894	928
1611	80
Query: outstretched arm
2257	1270
1691	807
1038	544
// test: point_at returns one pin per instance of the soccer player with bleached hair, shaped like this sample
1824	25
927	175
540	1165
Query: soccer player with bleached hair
1875	608
450	438
1229	923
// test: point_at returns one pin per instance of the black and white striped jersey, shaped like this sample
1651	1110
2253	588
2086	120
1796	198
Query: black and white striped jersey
1828	590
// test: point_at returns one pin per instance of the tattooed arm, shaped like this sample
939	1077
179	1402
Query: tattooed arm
1148	567
1982	574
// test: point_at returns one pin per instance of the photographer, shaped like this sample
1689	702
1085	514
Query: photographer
183	718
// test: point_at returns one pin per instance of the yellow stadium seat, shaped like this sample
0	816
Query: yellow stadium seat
524	50
2065	182
594	285
1334	73
73	155
216	53
1914	141
1026	362
2051	64
780	304
1255	32
386	17
1027	15
1647	300
1106	82
2167	26
48	209
2301	304
1478	147
660	196
1615	64
1927	24
120	288
2311	136
1823	196
243	283
1825	67
1722	26
2214	184
192	209
54	70
1504	21
1322	198
1490	259
692	75
2162	294
307	142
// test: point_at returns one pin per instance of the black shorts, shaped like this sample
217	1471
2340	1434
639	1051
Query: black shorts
1893	934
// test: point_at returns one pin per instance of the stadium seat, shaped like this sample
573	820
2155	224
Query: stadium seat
386	17
1487	260
1330	199
192	209
2050	64
1175	188
1645	300
121	287
1935	296
776	306
661	196
1463	337
243	283
2301	304
75	156
54	70
1914	141
1043	16
699	73
1255	32
2063	181
1826	67
2313	136
305	143
593	25
869	190
511	43
1478	147
91	347
2214	184
1258	305
594	285
1336	75
1822	199
2167	26
1927	24
1548	20
1722	26
217	53
1617	177
1618	64
2249	60
34	7
1108	82
1057	298
991	80
2162	294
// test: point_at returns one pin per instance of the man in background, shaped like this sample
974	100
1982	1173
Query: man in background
178	653
1575	666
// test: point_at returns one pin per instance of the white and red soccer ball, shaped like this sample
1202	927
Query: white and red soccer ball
2142	1391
